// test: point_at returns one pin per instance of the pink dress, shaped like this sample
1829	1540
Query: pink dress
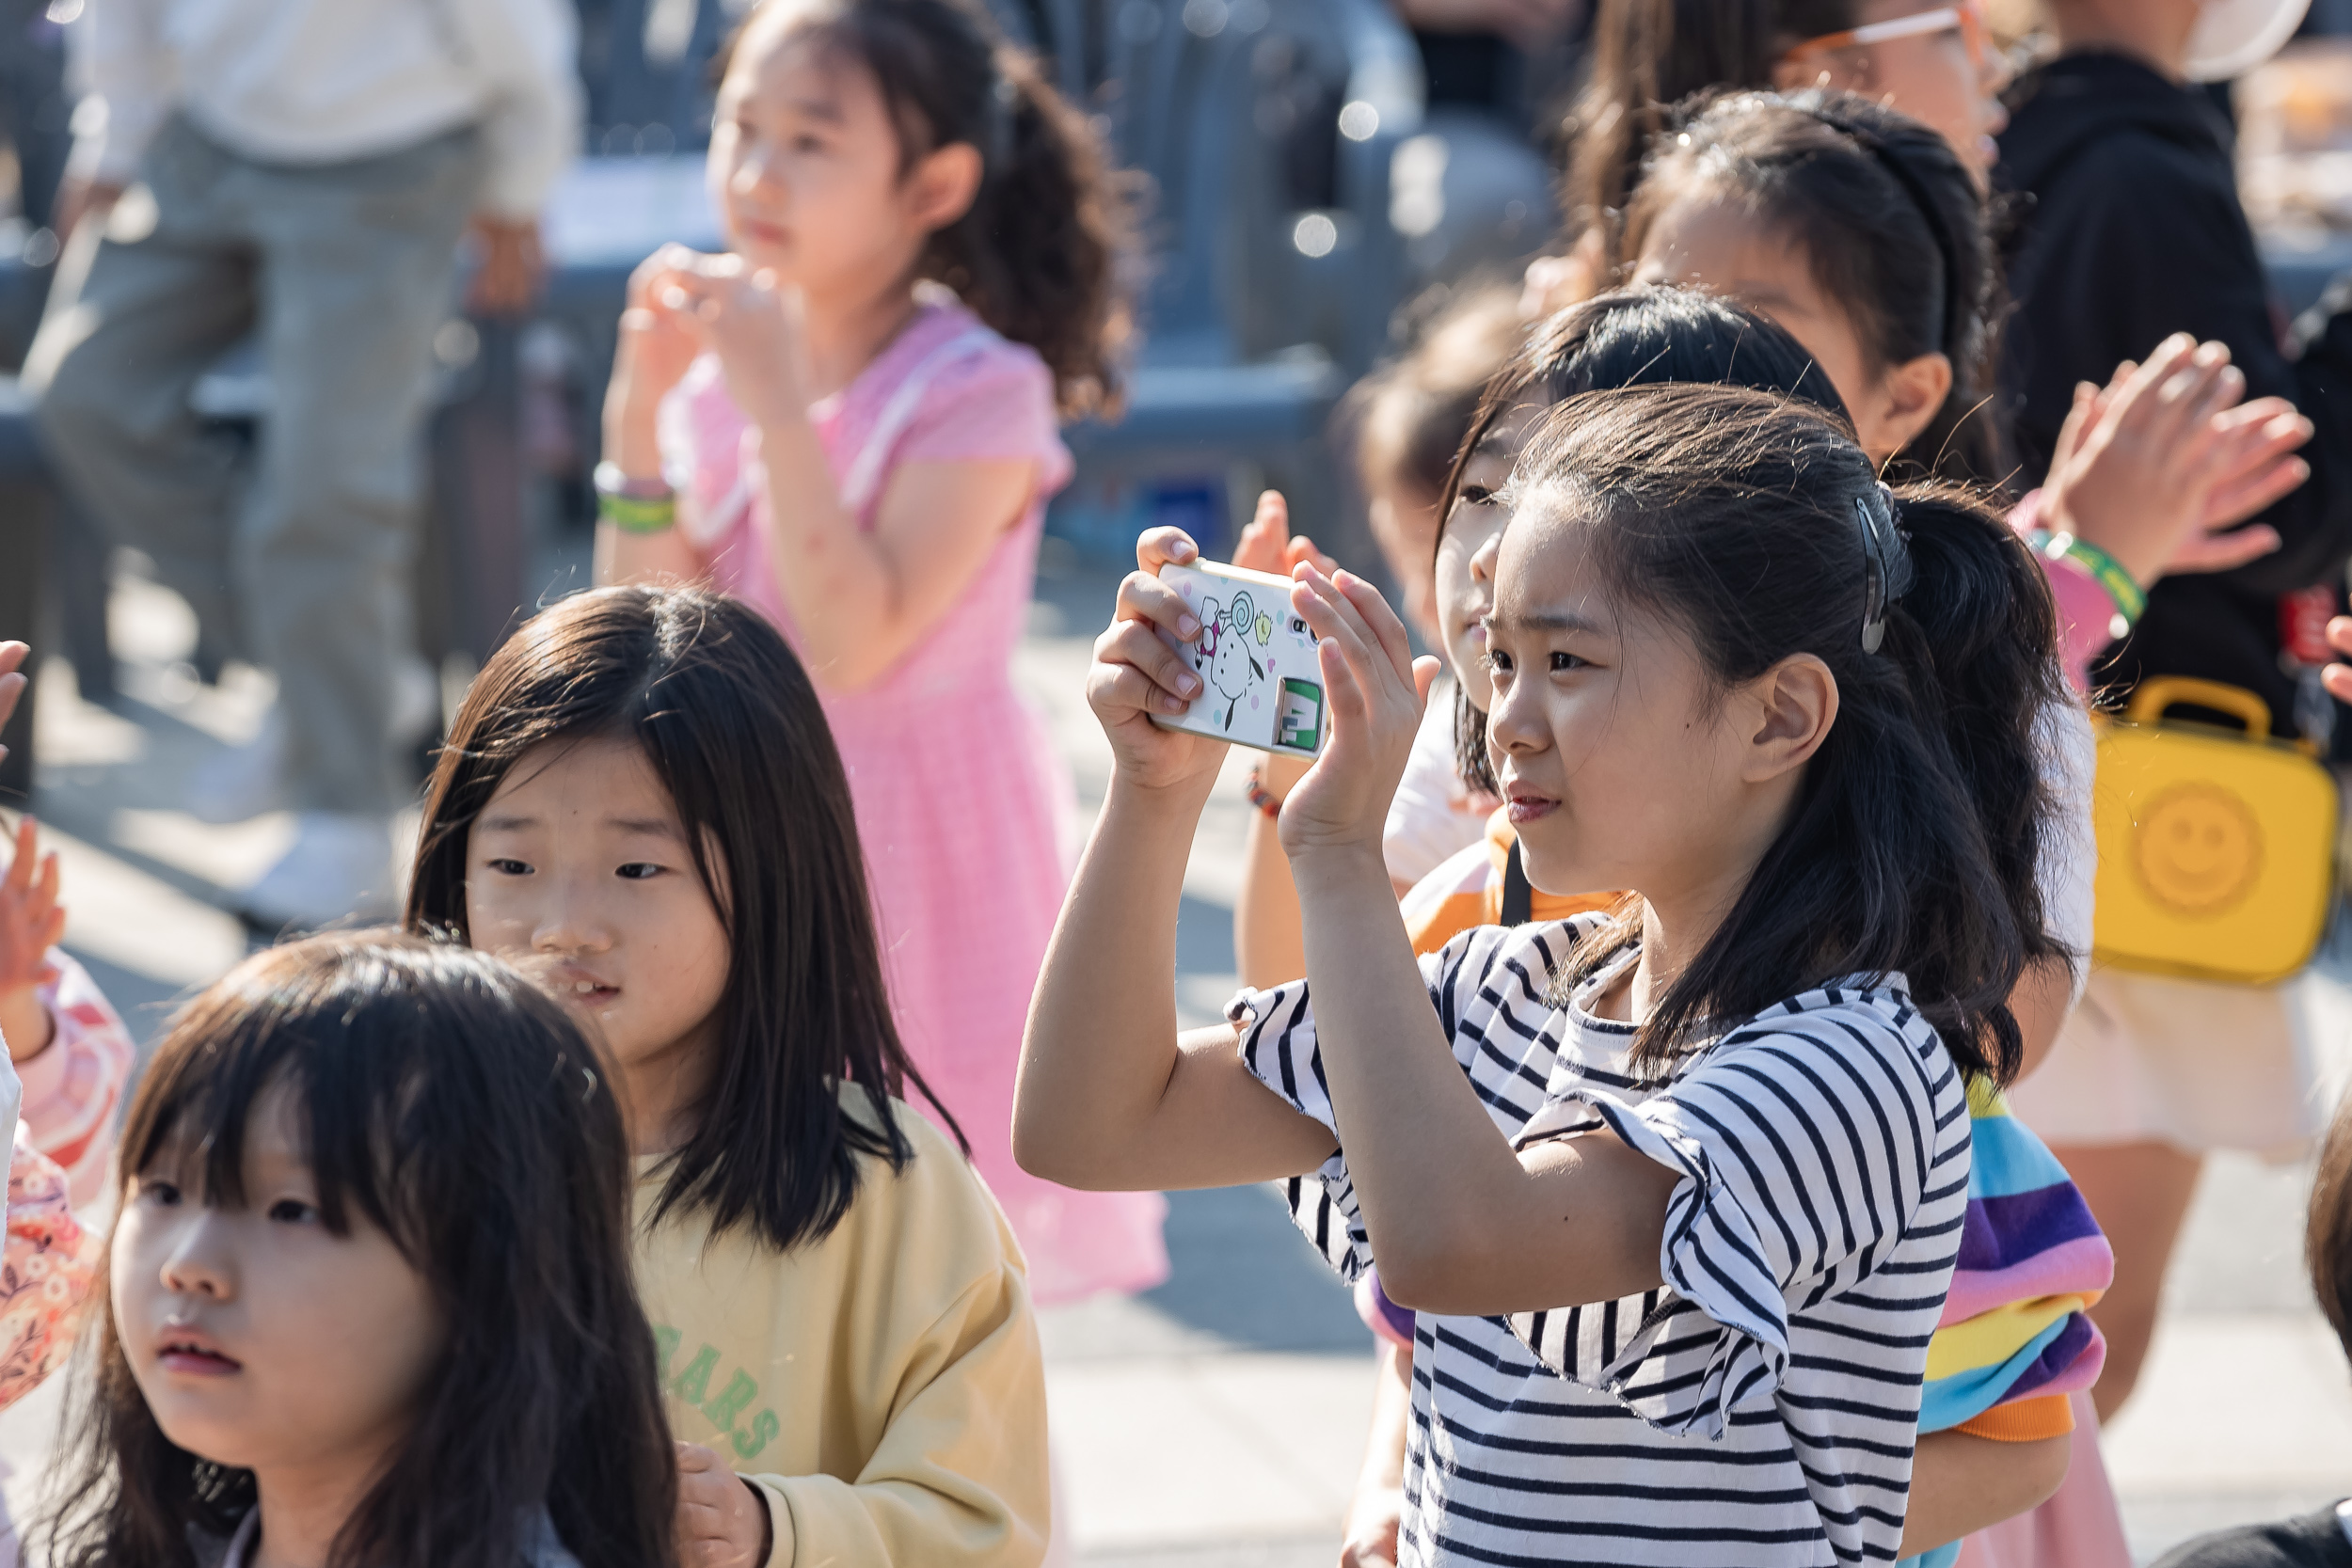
964	805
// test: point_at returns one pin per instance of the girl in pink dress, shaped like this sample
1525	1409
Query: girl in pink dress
851	422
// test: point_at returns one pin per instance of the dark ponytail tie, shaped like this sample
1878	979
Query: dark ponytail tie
1885	560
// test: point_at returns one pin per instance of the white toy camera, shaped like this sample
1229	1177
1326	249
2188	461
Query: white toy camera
1261	685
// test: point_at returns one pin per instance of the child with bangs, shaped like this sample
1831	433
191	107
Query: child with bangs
641	804
1687	1328
2013	1341
849	419
367	1297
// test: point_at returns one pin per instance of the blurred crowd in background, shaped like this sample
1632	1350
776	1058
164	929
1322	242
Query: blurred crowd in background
1318	178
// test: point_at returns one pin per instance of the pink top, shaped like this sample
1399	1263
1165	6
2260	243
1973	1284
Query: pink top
946	389
64	1140
965	809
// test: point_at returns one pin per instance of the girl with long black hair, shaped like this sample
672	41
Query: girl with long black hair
641	803
369	1301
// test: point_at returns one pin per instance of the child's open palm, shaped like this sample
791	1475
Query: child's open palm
1267	544
31	923
1376	689
2156	466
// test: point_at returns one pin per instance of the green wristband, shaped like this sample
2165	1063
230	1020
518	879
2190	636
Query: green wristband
638	514
2131	600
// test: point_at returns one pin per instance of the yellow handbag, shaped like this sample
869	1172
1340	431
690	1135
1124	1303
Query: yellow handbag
2216	848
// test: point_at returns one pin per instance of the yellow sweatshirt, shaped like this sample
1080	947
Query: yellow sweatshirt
883	1387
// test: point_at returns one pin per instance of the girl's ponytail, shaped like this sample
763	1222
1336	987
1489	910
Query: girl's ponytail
1976	632
1756	526
1036	257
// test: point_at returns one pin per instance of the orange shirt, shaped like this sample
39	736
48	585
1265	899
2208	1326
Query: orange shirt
1466	892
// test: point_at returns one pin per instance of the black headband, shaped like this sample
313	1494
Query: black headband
1945	250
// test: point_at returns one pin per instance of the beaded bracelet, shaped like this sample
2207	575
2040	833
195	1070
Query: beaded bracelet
1261	797
2131	600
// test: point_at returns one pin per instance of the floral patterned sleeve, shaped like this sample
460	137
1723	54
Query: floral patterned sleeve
72	1087
45	1272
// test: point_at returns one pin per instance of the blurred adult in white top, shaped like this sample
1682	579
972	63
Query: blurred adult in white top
303	170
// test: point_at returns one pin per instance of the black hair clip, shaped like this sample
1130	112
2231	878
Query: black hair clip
1885	562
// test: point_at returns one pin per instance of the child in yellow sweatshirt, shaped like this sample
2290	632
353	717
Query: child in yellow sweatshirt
641	803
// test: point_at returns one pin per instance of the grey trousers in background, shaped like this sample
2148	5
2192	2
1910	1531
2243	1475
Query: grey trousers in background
347	271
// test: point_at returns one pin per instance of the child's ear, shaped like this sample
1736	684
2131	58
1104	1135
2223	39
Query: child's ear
945	184
1790	709
1911	392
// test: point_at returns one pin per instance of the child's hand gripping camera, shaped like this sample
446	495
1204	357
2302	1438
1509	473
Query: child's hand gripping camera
1261	683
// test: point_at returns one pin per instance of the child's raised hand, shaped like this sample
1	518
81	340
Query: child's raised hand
1138	671
31	923
2153	467
2254	447
1376	689
722	1521
754	322
1266	544
656	346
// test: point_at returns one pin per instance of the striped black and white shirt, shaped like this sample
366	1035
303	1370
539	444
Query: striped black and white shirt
1762	1407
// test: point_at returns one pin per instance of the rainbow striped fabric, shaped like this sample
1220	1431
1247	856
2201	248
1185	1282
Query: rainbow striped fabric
2015	1338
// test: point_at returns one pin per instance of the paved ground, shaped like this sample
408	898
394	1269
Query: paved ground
1219	1419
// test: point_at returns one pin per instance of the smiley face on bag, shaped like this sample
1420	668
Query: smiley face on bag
2199	850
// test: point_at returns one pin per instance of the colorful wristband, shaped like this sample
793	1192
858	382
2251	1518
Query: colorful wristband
634	505
638	514
2131	600
1261	797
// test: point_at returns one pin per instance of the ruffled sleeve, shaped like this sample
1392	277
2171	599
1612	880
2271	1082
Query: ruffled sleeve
1805	1152
1488	989
71	1088
1278	1046
992	403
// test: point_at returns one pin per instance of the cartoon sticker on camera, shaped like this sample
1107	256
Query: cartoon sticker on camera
1261	683
1229	665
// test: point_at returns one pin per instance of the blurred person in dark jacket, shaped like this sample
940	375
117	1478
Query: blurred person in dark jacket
2127	229
2130	231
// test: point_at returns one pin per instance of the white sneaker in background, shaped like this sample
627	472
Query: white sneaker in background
338	870
416	702
241	782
